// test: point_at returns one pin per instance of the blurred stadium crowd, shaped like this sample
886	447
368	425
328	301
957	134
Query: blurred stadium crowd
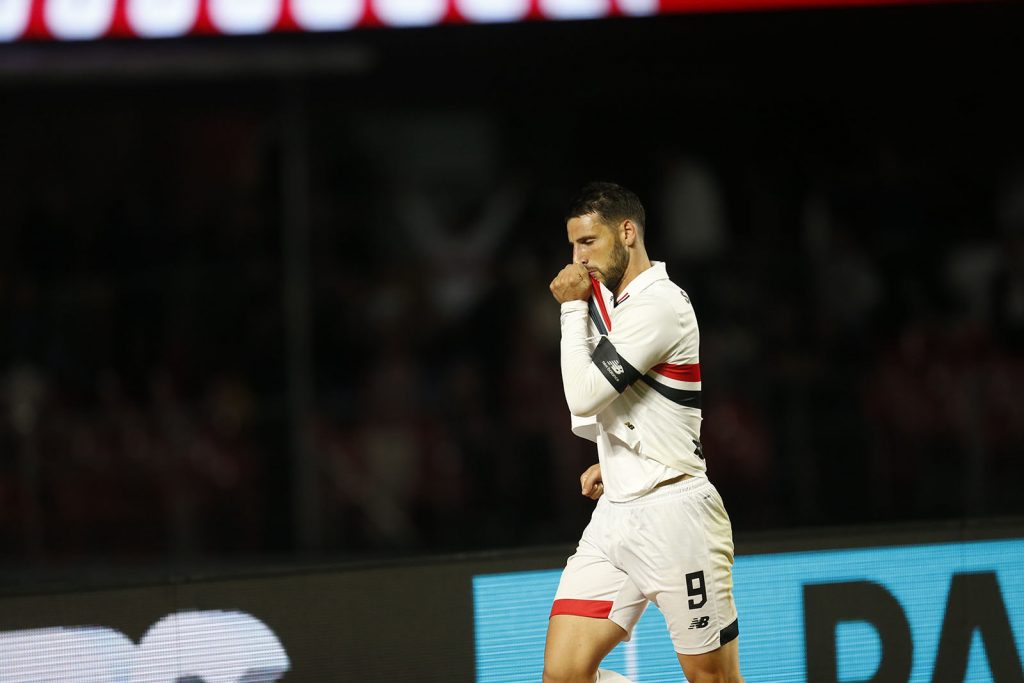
860	291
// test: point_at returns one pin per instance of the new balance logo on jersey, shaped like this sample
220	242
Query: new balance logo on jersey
700	622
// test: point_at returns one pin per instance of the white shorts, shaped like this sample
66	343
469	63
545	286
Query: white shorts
672	547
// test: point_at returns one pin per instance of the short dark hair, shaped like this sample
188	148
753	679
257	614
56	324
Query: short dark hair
612	202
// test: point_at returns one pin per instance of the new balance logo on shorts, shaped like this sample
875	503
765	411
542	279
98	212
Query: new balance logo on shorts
700	622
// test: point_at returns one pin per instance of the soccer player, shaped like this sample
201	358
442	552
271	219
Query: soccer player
659	532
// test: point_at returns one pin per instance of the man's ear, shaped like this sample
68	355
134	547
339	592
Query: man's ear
628	231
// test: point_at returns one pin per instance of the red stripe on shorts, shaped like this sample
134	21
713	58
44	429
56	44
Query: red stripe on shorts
596	609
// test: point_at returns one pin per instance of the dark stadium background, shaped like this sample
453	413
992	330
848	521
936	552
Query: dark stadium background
284	299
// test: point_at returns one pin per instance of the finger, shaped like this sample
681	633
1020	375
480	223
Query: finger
589	486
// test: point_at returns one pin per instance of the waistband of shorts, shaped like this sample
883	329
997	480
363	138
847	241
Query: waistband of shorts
666	492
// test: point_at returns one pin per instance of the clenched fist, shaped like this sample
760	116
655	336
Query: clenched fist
572	284
590	482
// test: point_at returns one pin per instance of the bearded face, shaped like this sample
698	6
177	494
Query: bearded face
598	246
616	268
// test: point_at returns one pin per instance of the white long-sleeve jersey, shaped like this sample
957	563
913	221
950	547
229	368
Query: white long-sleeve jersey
631	374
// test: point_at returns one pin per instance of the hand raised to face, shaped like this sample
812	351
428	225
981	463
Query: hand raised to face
571	284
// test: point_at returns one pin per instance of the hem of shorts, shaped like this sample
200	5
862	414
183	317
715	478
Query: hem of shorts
575	607
611	617
725	636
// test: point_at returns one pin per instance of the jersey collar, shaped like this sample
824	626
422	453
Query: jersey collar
642	281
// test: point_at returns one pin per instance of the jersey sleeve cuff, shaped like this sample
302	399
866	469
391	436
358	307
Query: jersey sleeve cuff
575	305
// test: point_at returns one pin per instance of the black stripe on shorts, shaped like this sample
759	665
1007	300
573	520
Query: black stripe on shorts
729	633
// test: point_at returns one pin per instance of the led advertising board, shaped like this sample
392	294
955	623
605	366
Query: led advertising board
210	645
938	612
84	20
923	614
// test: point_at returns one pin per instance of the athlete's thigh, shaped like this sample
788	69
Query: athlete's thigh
596	607
722	664
576	645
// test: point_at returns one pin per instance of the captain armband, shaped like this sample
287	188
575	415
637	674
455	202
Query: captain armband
614	367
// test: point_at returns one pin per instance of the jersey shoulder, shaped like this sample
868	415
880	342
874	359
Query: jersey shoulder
667	295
